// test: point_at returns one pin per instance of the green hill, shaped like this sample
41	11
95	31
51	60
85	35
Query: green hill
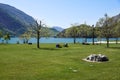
13	20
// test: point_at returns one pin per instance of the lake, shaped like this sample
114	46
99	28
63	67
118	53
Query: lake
52	40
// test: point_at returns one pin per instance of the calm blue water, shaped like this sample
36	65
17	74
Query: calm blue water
52	40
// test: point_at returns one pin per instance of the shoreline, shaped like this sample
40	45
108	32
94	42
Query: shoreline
113	42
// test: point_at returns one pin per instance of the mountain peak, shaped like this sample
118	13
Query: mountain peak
58	28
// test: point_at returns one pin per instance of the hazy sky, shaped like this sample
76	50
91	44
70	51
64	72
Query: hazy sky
63	13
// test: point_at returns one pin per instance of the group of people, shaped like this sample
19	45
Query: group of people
60	46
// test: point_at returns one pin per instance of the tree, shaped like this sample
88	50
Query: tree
93	34
39	31
107	28
72	32
117	31
0	34
85	31
26	36
7	37
45	32
99	25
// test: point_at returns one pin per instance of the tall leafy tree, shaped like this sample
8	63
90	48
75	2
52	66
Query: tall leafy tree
117	31
107	28
36	30
99	25
72	32
85	31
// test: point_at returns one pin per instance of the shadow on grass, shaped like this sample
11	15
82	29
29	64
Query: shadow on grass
114	47
46	48
49	49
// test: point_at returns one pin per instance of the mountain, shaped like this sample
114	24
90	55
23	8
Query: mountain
58	28
62	33
116	18
16	22
13	20
53	32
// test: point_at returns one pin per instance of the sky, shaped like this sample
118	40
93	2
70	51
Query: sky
64	13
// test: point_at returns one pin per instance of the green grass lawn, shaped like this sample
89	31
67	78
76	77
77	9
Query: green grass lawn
26	62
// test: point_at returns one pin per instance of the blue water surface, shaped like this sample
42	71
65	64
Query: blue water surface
52	40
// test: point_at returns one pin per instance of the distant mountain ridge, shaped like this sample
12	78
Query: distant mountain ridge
58	28
13	20
17	14
16	22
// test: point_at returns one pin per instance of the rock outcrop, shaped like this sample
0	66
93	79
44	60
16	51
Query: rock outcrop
96	58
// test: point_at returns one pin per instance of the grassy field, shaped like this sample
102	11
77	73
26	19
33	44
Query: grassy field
26	62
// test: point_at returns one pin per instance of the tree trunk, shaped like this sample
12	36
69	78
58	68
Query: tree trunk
38	33
93	35
107	42
100	41
93	38
85	39
74	40
38	37
116	40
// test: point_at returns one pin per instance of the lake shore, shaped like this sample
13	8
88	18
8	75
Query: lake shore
111	42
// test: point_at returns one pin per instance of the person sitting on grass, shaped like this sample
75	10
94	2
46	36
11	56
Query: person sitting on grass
58	46
85	43
65	45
